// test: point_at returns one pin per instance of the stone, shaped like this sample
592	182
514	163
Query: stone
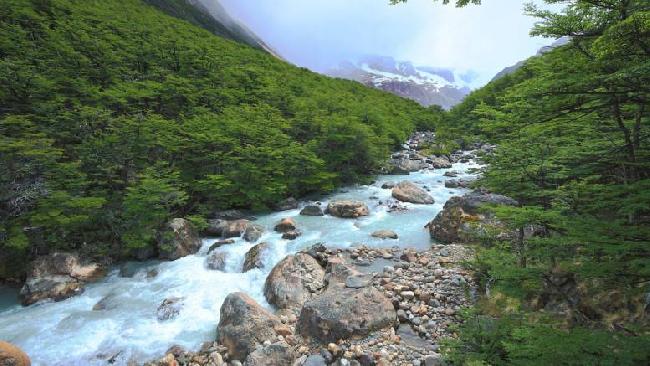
11	355
312	210
226	228
451	174
57	277
343	313
243	325
406	165
315	360
291	235
407	191
388	185
287	204
433	360
294	280
271	355
253	232
254	257
219	243
385	234
169	308
216	261
457	183
347	209
179	239
440	163
358	281
285	225
461	219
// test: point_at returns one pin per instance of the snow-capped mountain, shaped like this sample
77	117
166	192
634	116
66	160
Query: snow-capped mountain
426	85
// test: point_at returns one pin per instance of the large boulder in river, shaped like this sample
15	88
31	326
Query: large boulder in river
254	257
58	276
233	229
169	308
293	281
285	225
409	192
216	261
243	325
11	355
253	232
343	313
180	239
405	165
462	219
312	210
440	162
347	209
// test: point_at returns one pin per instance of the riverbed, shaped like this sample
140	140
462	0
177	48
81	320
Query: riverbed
70	332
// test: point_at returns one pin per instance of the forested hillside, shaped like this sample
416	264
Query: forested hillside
572	128
115	117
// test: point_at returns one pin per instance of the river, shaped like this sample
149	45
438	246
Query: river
71	333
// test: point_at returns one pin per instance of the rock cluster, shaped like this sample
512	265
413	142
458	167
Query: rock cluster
58	276
412	158
462	219
250	231
344	314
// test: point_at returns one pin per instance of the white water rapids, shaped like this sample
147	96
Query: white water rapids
70	333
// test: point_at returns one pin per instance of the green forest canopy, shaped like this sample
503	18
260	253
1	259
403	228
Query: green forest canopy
115	117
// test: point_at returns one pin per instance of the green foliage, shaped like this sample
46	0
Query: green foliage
517	340
148	203
115	117
571	127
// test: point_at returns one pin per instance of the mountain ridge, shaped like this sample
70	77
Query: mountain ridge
426	85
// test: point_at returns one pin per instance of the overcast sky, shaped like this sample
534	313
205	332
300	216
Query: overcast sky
321	33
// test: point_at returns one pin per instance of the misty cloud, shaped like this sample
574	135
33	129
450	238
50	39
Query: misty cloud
320	34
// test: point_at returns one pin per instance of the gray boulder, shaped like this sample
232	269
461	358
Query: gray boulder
253	232
409	192
440	162
347	209
462	219
216	261
58	276
312	210
226	228
254	257
285	225
169	308
385	234
343	313
178	240
278	354
243	325
293	281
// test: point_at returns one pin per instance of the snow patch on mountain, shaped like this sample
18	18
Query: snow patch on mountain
425	84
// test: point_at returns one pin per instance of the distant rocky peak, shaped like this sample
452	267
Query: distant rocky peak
425	84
